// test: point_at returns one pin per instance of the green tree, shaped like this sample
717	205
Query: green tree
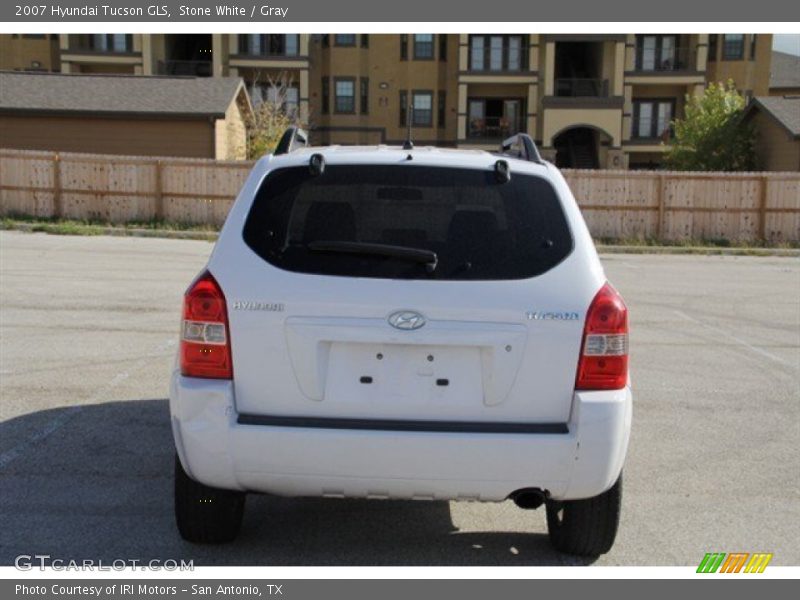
271	117
712	136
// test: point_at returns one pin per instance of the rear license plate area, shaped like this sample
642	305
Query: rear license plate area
399	377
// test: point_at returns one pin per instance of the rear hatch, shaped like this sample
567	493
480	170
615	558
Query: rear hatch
404	291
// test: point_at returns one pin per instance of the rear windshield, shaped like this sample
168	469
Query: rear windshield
361	221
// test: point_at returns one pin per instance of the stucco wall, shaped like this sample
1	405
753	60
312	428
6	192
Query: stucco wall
776	149
142	137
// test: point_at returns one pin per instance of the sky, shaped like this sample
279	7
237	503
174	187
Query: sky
787	42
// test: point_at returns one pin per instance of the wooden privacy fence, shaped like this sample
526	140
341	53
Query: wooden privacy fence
118	189
675	206
664	205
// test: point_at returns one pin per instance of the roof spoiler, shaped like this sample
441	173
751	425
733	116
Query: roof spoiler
521	146
292	139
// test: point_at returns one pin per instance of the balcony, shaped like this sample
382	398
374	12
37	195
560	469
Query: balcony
665	60
193	68
581	88
494	128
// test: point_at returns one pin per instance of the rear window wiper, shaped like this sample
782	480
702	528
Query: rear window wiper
418	255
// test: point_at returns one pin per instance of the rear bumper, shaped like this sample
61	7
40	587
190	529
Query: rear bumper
218	450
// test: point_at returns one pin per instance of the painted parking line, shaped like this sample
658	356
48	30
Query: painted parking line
737	340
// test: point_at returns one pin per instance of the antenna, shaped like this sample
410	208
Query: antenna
409	145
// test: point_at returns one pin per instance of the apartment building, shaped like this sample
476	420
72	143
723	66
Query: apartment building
29	52
368	89
590	101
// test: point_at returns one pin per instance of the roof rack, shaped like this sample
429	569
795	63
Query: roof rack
520	145
292	139
525	148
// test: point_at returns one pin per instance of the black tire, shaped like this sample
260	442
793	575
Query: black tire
206	515
585	527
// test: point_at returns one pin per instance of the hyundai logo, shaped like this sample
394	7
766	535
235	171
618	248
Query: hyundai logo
406	320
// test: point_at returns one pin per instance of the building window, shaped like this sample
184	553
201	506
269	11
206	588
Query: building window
753	47
514	60
497	53
326	40
326	95
404	46
658	53
364	85
712	46
652	119
423	46
111	42
403	108
344	39
119	43
291	101
365	40
422	109
476	52
291	44
287	97
344	95
733	46
265	44
442	47
441	114
647	53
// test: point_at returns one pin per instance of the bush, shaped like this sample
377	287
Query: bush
712	136
271	118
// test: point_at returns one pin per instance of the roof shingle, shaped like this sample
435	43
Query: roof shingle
784	109
120	94
785	70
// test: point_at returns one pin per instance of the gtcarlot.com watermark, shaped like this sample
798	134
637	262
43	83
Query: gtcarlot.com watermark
28	562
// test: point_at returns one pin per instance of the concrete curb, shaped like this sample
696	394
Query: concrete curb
702	250
211	236
121	232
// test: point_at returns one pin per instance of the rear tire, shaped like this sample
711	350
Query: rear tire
585	527
204	514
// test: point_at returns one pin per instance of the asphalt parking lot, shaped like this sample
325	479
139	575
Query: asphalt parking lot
88	330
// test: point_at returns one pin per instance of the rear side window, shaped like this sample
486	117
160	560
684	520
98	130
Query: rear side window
390	221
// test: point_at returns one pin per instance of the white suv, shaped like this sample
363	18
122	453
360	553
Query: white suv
399	322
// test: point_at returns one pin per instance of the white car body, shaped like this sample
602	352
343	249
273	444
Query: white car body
295	420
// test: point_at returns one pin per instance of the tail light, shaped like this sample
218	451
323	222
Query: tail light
603	364
205	337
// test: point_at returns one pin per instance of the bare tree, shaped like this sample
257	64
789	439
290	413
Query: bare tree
272	114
